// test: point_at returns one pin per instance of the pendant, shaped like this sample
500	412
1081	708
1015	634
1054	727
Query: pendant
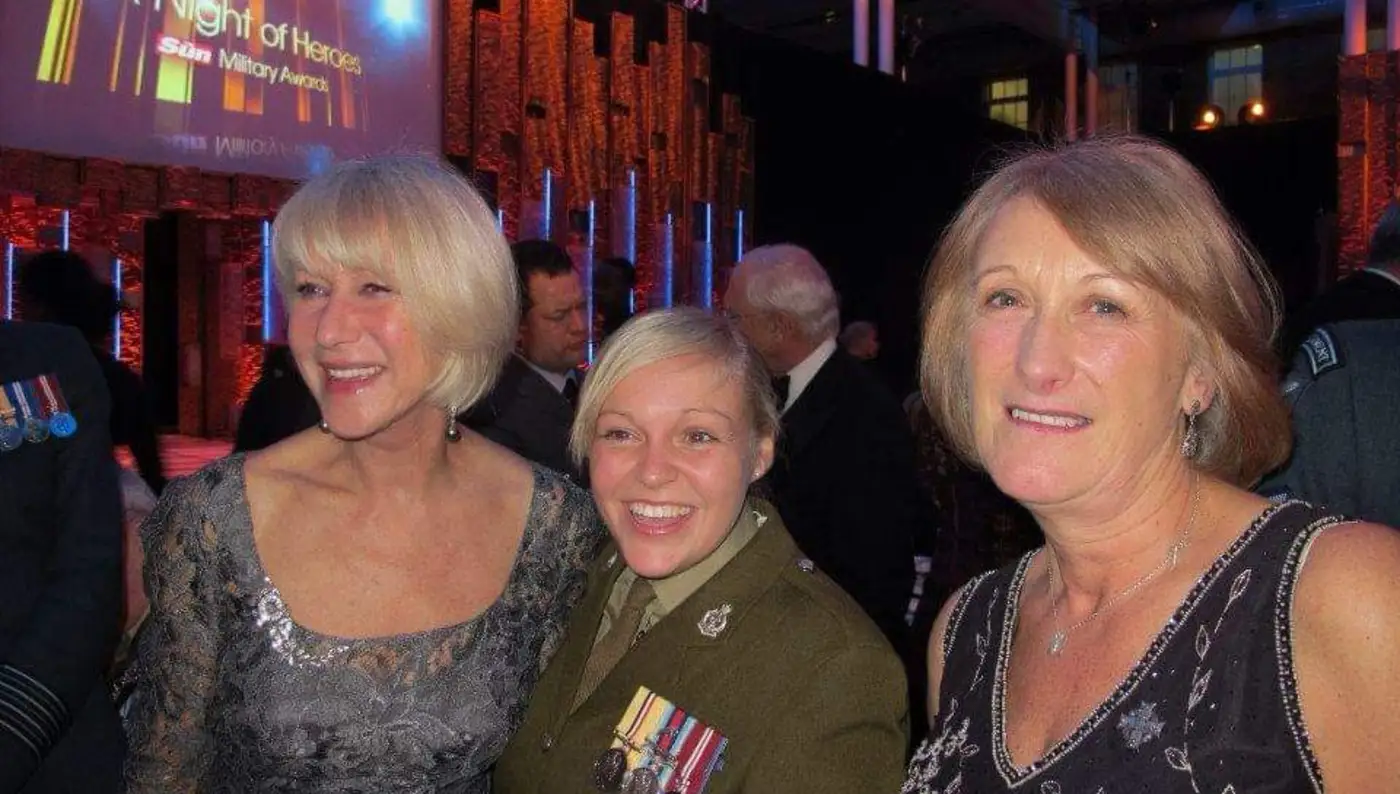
1057	643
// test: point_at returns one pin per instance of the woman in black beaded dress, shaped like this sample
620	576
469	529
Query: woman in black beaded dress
1097	338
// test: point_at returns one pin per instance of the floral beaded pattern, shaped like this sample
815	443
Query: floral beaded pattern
232	695
1208	709
951	746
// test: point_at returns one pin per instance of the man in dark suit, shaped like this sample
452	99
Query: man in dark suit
845	480
60	566
279	406
1346	431
532	406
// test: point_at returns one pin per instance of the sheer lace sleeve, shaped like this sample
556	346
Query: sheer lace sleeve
578	538
178	650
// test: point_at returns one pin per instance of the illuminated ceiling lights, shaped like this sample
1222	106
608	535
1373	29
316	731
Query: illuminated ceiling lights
1254	112
1210	117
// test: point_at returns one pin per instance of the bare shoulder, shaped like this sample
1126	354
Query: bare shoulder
1346	636
296	460
937	642
488	464
1347	569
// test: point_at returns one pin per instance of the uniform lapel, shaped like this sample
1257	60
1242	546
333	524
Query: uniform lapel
583	627
675	648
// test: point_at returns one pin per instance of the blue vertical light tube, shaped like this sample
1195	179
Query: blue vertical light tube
501	221
269	291
586	266
704	268
117	319
9	280
67	219
547	206
738	235
666	260
624	226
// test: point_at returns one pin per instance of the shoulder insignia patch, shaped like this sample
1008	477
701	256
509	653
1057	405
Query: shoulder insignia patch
1323	353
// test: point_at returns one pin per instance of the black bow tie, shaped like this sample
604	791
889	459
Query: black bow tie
780	389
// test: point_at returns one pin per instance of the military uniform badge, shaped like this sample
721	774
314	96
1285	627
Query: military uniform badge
658	748
33	410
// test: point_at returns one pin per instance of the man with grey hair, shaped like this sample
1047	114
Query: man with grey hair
844	480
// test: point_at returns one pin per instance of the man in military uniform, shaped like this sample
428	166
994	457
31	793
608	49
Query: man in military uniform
1371	293
1346	452
60	566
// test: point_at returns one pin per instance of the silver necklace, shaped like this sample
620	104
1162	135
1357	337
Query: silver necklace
1061	636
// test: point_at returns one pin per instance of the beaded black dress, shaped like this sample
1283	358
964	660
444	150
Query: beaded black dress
232	695
1211	708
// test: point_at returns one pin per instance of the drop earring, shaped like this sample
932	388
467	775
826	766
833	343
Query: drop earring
454	433
1191	441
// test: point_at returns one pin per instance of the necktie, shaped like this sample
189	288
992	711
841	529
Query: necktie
571	391
614	645
780	389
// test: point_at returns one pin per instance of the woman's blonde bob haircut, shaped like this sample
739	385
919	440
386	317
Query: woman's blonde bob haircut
672	333
1141	211
415	223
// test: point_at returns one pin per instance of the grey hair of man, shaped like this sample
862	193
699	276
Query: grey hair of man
786	279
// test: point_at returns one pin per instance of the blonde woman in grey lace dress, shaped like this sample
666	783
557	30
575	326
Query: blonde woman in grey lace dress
365	606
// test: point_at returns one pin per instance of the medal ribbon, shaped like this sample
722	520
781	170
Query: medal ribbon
31	394
53	395
8	410
21	401
682	751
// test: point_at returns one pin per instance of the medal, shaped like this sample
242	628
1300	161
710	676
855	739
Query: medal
11	437
61	421
609	769
35	426
36	430
671	751
642	781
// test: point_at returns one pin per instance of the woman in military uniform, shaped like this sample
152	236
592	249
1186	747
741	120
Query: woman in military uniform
708	655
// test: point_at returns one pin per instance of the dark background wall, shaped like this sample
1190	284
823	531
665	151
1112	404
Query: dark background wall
860	169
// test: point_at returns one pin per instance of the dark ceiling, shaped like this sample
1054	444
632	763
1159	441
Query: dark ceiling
826	24
947	39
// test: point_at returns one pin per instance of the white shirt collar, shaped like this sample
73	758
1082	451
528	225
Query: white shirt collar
800	376
555	379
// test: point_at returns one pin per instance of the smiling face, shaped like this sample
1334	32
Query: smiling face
359	353
671	462
1079	377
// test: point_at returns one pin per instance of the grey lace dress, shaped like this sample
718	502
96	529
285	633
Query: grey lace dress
231	695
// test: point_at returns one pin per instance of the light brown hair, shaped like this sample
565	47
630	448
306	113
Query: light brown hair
1143	212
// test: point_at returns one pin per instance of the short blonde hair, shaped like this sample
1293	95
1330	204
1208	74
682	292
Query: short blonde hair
418	224
1140	210
672	333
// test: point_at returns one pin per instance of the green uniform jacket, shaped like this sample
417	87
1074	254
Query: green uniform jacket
809	694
